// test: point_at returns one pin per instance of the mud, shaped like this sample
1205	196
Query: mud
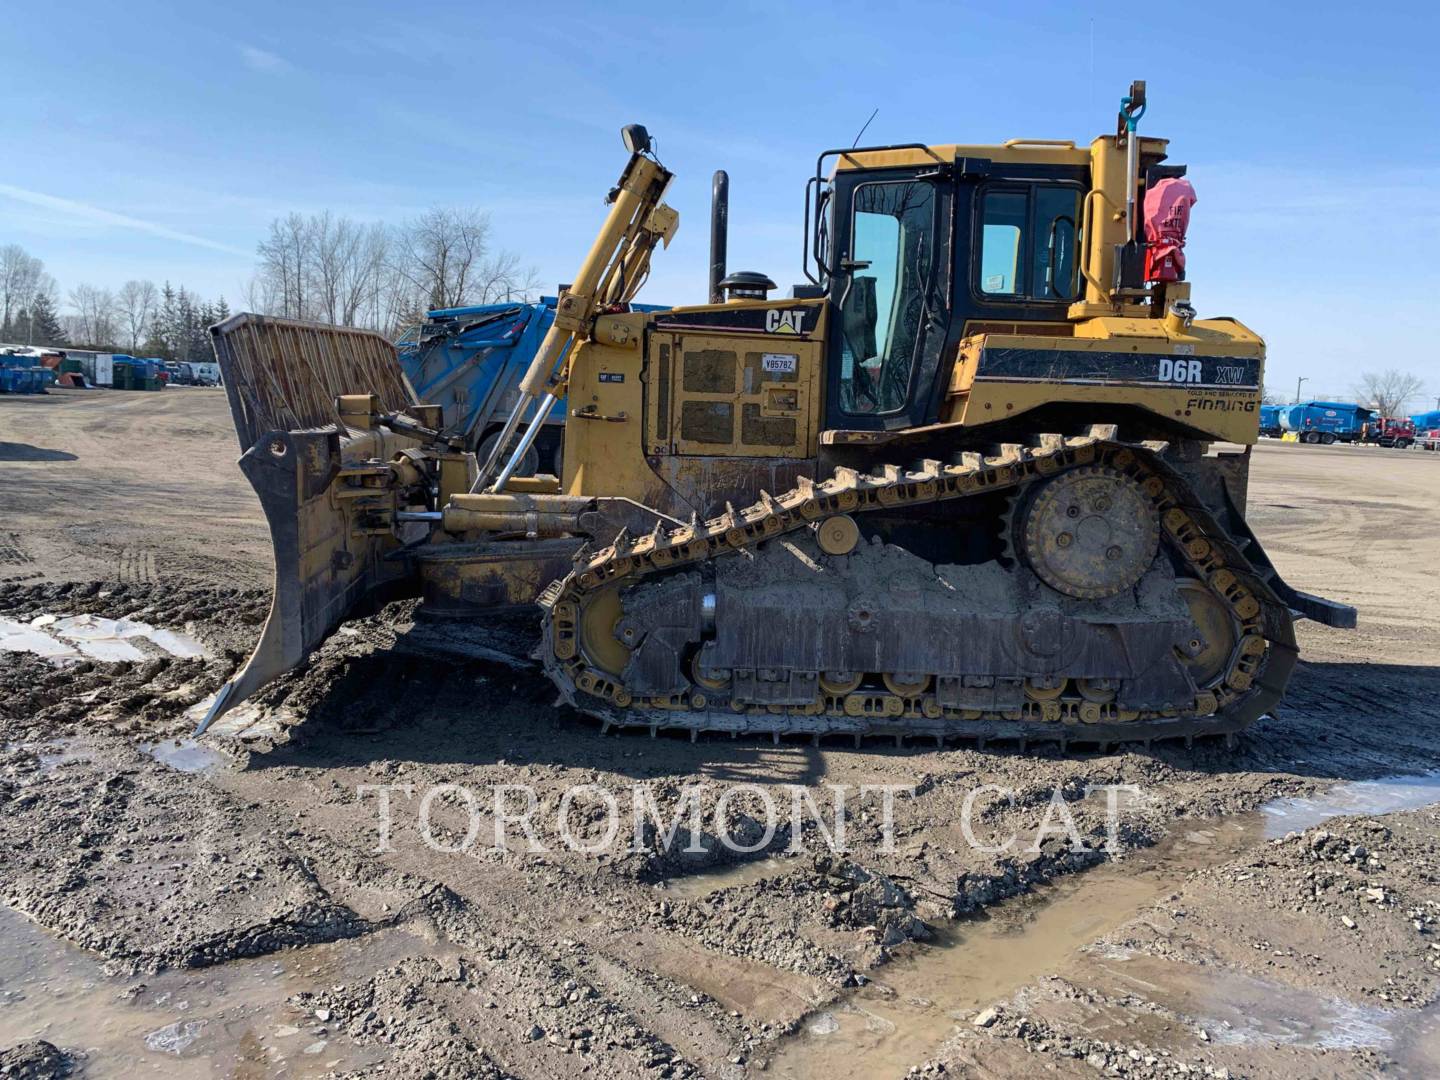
246	875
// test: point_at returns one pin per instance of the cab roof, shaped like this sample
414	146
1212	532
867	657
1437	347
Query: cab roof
1012	151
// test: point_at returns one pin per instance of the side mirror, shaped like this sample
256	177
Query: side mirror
635	138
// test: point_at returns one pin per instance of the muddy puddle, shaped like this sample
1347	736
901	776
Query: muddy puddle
915	1001
233	1020
236	1019
186	755
703	883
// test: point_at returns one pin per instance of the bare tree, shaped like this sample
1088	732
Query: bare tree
396	303
332	248
345	266
284	259
262	295
341	271
1388	390
21	277
440	250
501	277
96	315
136	302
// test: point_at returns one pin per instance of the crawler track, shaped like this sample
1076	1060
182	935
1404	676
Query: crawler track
1249	683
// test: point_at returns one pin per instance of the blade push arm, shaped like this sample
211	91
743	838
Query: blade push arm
611	274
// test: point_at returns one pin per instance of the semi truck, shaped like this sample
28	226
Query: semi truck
1396	431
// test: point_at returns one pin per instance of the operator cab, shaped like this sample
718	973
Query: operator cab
919	247
915	244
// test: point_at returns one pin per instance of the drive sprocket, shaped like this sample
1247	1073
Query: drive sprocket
1089	533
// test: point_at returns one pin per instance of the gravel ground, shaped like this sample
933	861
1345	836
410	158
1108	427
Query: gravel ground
642	959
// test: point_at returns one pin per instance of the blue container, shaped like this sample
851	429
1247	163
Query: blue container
21	375
470	361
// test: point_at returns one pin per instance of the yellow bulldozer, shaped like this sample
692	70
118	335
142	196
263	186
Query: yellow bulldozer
962	484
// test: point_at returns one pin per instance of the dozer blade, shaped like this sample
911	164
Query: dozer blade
283	378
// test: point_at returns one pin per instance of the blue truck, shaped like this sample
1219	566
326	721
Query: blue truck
1270	421
1325	421
470	360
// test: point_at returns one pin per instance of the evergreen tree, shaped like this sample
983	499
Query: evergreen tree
164	326
39	324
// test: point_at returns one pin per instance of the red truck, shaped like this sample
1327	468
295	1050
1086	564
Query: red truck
1393	431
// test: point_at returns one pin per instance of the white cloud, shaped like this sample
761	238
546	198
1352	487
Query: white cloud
261	60
95	215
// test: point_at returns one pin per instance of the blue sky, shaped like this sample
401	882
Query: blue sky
143	143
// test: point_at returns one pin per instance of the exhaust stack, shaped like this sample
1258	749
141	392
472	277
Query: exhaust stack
719	233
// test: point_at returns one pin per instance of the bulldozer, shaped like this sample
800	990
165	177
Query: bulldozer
981	476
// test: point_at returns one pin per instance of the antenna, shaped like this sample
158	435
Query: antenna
862	130
1092	64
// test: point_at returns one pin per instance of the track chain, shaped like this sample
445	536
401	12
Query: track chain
1254	681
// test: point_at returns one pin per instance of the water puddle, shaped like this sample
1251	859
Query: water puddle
230	1020
186	755
703	883
1383	796
63	751
71	638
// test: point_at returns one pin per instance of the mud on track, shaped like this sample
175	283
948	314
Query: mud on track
252	890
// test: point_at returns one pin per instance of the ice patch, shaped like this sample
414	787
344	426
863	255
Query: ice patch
73	637
177	644
1370	797
174	1038
247	721
824	1023
101	639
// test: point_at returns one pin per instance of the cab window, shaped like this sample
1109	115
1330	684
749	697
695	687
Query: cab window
1030	242
883	306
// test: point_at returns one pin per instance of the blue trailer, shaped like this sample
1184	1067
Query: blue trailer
470	360
1325	421
1270	421
1426	421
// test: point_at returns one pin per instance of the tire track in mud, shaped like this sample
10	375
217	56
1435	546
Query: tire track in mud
15	562
135	566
